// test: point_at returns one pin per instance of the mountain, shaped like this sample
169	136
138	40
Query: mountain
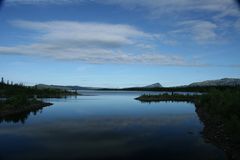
220	82
155	85
44	86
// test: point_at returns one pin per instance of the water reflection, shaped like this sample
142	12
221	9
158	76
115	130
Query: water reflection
20	117
112	138
108	126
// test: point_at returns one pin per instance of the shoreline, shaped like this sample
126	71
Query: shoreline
167	97
213	131
18	110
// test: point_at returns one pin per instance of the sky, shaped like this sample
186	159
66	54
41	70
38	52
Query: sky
119	43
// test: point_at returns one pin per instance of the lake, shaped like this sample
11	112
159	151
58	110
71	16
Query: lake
106	125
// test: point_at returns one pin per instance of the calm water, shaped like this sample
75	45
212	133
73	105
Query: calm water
106	125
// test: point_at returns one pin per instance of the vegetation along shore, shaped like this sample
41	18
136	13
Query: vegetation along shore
219	110
20	104
17	98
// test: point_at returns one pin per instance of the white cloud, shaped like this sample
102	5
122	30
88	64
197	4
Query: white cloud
200	31
205	21
160	8
155	6
210	15
58	2
90	42
92	55
237	25
84	34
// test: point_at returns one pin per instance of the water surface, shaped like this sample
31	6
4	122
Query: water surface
106	125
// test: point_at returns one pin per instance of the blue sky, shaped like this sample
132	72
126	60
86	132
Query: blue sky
119	43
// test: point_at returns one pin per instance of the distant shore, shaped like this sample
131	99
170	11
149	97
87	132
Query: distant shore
17	98
167	97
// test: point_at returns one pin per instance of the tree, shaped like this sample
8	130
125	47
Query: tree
2	81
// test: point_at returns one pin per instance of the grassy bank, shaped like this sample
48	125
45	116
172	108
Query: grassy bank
224	107
20	104
220	112
167	97
7	91
17	98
